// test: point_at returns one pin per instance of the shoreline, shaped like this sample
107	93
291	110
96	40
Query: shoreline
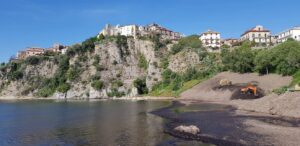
11	98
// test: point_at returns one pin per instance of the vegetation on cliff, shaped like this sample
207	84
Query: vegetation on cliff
83	66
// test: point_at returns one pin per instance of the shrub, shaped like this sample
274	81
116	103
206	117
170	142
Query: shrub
115	62
156	39
164	63
82	58
117	83
143	63
32	60
97	85
281	90
96	60
115	93
192	41
45	92
122	45
63	88
141	86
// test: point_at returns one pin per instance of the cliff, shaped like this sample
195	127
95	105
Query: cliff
111	67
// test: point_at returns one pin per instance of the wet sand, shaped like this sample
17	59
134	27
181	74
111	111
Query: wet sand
225	125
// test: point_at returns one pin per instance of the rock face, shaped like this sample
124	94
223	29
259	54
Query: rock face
117	67
183	60
192	129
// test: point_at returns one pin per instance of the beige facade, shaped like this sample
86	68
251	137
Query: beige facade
30	52
230	42
258	34
58	48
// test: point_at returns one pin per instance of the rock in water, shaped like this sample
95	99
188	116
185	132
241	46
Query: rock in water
188	129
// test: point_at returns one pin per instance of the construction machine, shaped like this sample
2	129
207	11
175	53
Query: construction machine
250	89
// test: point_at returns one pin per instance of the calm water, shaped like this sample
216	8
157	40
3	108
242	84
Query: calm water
103	123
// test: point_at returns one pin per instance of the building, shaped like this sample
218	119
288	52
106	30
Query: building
164	32
128	30
33	51
230	42
58	48
138	31
258	34
211	40
21	55
290	33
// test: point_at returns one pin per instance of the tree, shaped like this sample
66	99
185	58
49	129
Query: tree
240	60
263	62
286	57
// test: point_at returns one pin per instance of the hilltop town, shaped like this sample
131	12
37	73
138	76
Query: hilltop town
211	40
258	72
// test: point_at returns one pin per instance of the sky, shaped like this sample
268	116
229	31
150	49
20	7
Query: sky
40	23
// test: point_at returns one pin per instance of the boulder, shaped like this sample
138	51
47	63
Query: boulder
297	87
192	129
225	82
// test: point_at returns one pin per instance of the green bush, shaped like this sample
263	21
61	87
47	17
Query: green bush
164	63
141	86
64	88
281	90
115	93
192	42
45	92
156	39
73	73
117	83
122	45
33	60
143	63
296	78
97	85
96	60
16	71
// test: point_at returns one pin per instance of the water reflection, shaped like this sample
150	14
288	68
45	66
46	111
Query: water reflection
82	123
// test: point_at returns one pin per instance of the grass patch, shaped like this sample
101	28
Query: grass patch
168	92
296	78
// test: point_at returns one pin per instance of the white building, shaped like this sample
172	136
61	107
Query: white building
128	30
258	35
290	33
135	31
211	40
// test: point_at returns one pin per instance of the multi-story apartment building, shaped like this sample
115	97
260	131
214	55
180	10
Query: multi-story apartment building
290	33
136	31
211	40
258	34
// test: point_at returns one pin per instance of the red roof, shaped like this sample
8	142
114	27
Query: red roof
252	30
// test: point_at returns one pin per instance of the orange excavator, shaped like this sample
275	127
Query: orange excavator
249	89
